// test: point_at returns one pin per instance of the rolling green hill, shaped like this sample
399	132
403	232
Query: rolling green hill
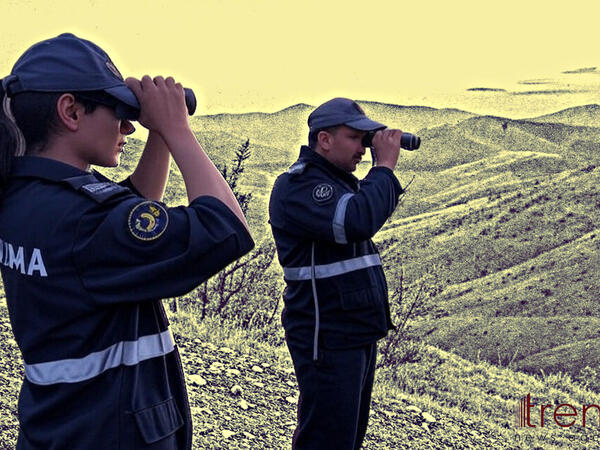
504	212
413	118
514	243
586	115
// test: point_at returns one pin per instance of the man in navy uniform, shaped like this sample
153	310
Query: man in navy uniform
336	304
85	261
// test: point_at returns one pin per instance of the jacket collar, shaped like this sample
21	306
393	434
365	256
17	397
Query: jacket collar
45	168
312	157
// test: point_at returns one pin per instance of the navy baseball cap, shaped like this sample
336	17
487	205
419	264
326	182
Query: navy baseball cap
341	111
68	63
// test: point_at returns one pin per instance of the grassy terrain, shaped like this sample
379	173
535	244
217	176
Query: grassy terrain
502	214
243	394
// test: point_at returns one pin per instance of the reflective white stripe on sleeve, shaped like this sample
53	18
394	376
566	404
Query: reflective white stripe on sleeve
339	230
128	353
333	269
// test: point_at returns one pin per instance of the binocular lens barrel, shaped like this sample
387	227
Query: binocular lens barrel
130	113
190	100
408	141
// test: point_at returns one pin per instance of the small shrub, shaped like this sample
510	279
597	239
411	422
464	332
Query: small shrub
402	345
246	292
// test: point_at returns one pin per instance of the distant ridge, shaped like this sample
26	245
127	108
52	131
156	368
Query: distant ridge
393	105
246	114
287	129
305	107
297	107
586	115
413	118
413	107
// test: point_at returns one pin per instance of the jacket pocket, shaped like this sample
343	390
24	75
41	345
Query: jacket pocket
158	421
358	299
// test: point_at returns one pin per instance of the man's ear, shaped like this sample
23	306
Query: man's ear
324	139
69	111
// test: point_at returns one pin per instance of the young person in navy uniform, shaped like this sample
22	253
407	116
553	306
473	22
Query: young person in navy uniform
336	304
85	261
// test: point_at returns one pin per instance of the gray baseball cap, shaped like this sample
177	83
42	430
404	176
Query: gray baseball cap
341	111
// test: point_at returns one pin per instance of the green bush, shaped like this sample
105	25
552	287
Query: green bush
245	293
404	345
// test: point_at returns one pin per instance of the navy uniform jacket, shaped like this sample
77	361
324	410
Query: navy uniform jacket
323	220
85	263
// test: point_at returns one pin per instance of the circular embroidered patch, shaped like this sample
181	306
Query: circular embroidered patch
322	192
148	220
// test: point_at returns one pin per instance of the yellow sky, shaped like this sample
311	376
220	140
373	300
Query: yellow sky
264	55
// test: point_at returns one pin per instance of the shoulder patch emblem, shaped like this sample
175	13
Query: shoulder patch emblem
148	220
322	192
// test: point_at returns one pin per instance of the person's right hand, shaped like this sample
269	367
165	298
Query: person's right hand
386	145
162	103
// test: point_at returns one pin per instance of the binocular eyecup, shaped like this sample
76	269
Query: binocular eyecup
408	141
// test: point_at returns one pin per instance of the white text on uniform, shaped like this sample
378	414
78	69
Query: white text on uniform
20	258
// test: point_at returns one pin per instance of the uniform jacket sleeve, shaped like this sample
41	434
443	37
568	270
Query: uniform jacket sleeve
116	265
345	216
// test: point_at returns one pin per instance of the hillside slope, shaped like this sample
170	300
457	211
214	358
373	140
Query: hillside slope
517	262
503	212
586	115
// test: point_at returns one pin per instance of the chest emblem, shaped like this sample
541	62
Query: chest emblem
148	220
322	192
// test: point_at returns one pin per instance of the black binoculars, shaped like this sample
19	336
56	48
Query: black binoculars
190	100
128	112
407	141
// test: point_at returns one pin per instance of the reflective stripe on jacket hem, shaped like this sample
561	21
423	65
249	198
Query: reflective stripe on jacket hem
128	353
333	269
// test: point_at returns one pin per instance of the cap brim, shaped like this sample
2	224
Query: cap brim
365	124
129	108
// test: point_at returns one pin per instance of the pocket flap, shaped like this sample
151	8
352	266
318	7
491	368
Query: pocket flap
158	421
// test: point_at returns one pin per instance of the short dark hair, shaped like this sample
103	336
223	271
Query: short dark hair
313	135
36	117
